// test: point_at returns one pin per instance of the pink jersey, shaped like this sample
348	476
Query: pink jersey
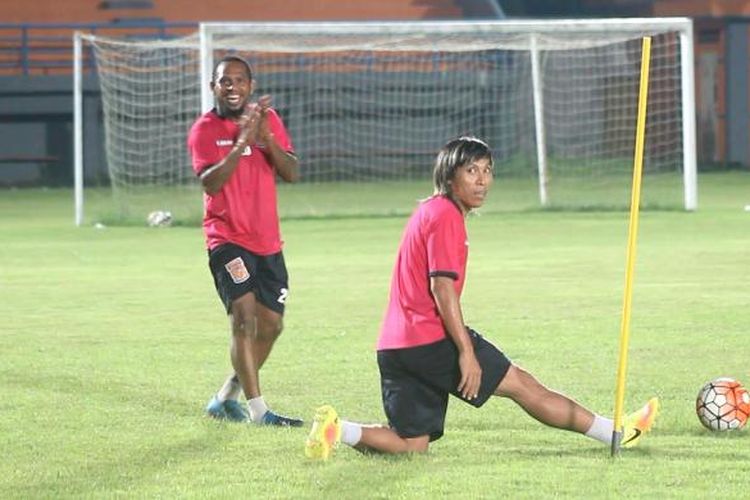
244	211
434	244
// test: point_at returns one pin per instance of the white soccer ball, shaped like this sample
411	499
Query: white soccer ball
723	404
159	218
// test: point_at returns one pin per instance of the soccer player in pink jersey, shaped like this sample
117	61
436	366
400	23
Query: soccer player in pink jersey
425	351
238	148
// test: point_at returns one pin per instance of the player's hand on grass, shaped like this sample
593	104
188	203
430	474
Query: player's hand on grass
471	375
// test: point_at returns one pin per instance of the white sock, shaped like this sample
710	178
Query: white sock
601	429
230	390
257	408
351	433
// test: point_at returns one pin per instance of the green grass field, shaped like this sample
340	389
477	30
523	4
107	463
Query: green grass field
604	192
112	340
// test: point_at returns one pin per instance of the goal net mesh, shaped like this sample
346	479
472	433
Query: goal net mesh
367	113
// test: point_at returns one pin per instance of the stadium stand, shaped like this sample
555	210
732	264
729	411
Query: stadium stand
72	11
38	41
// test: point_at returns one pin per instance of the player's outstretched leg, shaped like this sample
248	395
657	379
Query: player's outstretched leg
639	423
324	435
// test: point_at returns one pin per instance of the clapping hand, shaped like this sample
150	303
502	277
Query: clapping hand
264	134
249	123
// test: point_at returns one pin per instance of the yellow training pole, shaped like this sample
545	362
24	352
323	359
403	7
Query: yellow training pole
635	201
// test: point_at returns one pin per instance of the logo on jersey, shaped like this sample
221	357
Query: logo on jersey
237	270
223	143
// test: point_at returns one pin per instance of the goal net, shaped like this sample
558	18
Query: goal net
369	104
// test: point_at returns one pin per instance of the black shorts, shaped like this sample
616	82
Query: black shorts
415	383
237	271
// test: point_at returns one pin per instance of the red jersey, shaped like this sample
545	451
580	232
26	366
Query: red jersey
434	243
244	211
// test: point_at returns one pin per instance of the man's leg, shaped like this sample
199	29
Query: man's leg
557	410
413	406
244	333
231	389
328	430
269	326
547	406
385	440
245	378
242	320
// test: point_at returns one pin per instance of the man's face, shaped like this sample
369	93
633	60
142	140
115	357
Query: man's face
232	88
471	184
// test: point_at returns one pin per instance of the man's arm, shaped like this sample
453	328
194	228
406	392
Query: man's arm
285	163
214	177
449	309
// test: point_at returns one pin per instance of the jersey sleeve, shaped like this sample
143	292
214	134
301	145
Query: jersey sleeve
276	125
202	147
445	240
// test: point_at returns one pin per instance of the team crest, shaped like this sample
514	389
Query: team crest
237	270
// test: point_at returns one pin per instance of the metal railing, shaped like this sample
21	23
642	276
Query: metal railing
47	48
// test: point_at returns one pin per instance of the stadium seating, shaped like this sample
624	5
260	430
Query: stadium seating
35	38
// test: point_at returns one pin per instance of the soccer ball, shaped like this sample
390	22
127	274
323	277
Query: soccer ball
723	404
159	218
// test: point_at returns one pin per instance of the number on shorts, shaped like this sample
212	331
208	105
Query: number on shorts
284	293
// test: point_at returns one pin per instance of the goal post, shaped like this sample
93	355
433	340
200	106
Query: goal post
689	143
148	95
372	102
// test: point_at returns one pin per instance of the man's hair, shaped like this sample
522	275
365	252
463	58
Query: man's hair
232	58
457	153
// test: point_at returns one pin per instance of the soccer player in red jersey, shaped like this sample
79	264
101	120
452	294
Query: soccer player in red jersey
238	148
426	352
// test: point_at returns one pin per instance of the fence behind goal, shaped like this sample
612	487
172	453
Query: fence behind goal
369	104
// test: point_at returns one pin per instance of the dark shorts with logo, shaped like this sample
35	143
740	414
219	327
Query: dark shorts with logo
416	381
238	271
